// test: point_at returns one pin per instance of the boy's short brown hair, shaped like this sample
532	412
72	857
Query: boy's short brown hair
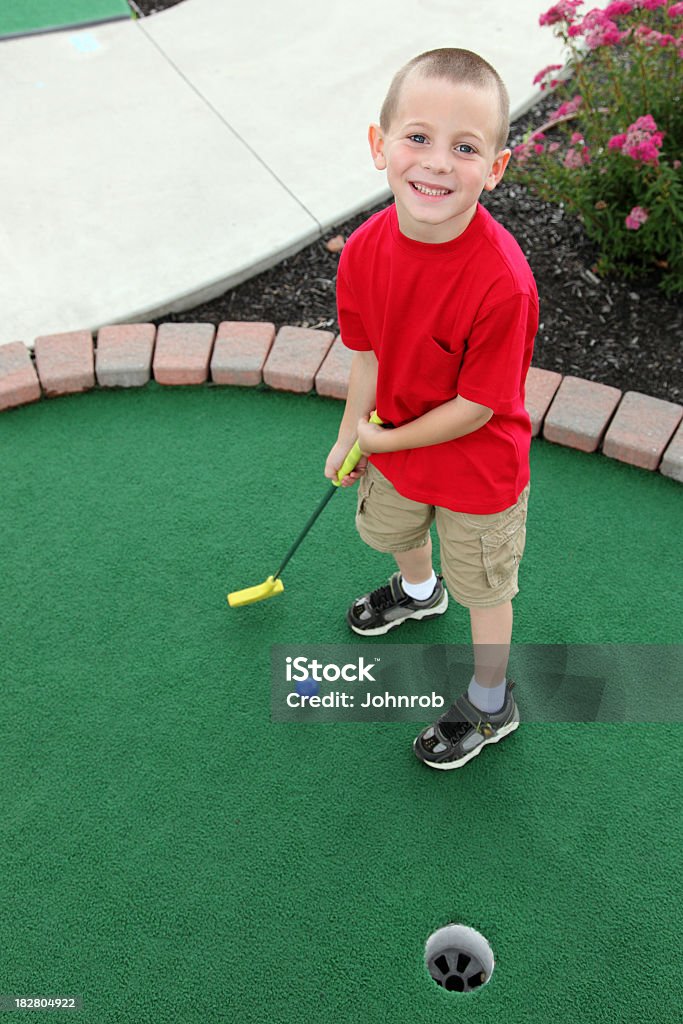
455	65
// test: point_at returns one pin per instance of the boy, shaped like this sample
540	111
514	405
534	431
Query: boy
440	307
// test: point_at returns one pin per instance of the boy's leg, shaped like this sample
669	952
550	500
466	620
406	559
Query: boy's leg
491	635
487	711
395	525
480	557
415	565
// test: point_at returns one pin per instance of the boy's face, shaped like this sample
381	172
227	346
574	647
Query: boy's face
443	135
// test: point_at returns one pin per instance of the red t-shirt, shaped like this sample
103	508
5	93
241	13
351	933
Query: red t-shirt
445	319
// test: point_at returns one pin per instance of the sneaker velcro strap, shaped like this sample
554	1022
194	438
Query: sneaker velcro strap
464	711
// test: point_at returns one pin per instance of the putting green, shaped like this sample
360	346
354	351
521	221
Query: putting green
21	17
169	854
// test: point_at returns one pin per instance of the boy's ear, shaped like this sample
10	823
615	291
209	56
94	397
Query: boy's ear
376	140
497	169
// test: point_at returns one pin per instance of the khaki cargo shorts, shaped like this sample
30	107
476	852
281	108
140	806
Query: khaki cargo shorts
480	555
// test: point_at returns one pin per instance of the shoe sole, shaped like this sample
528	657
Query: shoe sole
423	615
504	731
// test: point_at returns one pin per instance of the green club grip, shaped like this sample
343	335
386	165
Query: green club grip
351	460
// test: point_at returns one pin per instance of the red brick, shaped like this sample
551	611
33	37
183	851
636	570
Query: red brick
641	429
19	382
672	462
580	412
240	352
541	386
295	358
332	379
65	362
123	357
182	353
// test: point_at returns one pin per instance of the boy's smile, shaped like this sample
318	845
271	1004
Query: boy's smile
440	153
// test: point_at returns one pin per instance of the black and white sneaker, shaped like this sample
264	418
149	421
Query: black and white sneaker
463	731
389	606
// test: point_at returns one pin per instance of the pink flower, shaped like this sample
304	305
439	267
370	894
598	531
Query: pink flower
676	11
553	147
646	151
649	37
522	152
676	165
651	5
598	30
565	10
570	107
538	148
636	218
576	137
577	158
618	7
646	123
641	141
544	73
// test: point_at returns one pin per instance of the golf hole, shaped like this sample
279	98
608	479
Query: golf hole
459	958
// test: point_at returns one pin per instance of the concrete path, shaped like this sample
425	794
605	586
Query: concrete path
150	165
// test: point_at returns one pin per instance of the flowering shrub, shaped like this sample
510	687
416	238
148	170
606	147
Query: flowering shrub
611	150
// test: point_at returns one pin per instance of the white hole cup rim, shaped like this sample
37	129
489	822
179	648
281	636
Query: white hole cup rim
465	940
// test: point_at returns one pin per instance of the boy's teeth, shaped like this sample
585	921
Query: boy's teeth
431	191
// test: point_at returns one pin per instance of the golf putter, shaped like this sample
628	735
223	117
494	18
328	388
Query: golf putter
274	585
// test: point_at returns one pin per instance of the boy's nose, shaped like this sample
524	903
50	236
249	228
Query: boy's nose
438	161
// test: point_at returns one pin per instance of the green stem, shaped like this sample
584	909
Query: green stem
614	78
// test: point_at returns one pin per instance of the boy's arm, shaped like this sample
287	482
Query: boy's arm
360	401
448	421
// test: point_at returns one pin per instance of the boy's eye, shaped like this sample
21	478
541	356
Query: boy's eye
461	146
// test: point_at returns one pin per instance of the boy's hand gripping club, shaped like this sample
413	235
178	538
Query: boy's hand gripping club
274	585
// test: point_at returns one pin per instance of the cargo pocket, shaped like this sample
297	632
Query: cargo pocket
502	549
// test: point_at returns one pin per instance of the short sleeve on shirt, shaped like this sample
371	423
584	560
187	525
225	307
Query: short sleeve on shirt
498	353
351	329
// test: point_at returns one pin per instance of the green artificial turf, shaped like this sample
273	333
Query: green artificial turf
170	854
20	17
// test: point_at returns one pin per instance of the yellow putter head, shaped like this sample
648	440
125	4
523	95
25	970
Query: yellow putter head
252	594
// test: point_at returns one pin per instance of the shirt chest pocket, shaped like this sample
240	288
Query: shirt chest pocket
438	368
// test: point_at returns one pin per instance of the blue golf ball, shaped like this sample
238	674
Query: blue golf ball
307	687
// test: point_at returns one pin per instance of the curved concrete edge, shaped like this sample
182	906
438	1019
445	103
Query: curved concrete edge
627	426
158	161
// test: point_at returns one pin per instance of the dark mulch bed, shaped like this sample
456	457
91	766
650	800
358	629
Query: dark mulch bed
147	7
624	333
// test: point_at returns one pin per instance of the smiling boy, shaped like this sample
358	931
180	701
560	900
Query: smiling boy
439	304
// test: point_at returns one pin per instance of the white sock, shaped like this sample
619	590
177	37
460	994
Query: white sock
488	699
420	591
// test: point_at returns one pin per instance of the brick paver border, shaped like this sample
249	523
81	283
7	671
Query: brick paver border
566	410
